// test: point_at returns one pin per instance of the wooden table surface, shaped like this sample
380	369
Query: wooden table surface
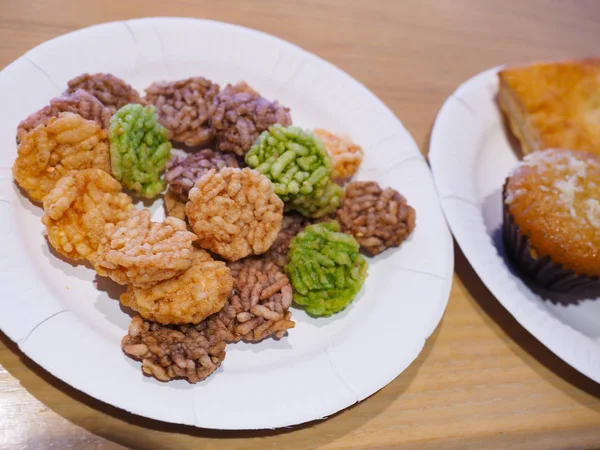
482	381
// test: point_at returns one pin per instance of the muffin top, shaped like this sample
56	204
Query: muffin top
554	198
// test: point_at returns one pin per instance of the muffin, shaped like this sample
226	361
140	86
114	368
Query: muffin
551	227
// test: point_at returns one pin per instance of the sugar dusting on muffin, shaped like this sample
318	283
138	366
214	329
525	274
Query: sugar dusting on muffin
593	212
563	173
552	215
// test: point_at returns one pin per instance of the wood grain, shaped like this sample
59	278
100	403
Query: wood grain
482	381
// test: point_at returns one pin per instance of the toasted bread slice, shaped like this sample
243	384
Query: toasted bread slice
553	104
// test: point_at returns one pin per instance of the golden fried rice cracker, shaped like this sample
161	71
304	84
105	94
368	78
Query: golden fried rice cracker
346	156
66	144
79	207
201	290
234	212
140	252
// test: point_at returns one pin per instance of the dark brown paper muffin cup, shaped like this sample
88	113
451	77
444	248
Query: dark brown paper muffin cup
541	269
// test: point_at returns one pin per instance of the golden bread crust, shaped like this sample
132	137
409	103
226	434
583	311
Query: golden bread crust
553	104
553	196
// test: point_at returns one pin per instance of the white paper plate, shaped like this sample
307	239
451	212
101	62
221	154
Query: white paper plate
63	322
470	156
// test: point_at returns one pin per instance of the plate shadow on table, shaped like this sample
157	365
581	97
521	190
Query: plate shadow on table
319	432
527	342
